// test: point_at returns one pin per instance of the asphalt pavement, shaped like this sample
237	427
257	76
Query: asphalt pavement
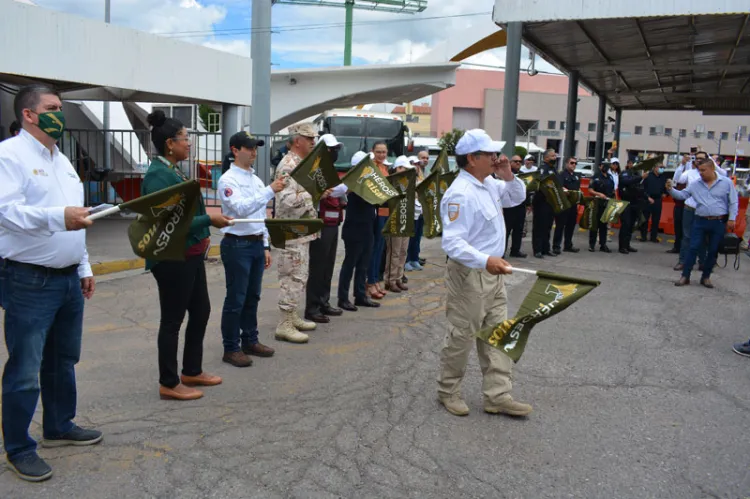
635	388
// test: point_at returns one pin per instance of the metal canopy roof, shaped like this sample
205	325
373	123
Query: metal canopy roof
681	62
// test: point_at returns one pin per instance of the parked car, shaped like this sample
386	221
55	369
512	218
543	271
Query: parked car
585	169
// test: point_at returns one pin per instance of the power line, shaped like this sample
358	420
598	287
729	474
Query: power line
304	27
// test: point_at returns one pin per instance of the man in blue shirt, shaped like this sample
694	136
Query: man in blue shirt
716	201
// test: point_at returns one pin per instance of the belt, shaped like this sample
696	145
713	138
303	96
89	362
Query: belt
689	208
39	268
251	237
722	217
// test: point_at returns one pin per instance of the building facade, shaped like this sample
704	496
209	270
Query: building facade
477	102
418	117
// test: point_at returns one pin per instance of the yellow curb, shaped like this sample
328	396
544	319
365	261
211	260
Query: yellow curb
104	268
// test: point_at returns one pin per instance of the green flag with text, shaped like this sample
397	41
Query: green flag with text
316	172
400	223
441	163
282	230
366	181
550	295
613	210
530	180
553	191
161	229
589	219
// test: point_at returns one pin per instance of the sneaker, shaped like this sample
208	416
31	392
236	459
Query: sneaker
417	266
742	349
30	467
455	405
509	407
77	436
409	267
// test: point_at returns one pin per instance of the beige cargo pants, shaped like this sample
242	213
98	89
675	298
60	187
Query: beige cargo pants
476	300
396	248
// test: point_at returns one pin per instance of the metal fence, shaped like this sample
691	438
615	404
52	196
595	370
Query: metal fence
112	163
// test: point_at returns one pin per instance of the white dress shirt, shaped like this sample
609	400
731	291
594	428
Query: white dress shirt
691	174
528	170
36	187
243	195
472	214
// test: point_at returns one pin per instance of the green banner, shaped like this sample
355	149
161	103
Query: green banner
553	191
441	163
550	295
161	229
366	181
400	223
530	180
575	197
316	172
446	179
427	192
282	230
589	220
613	210
648	164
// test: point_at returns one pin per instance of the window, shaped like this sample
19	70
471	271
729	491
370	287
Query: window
562	125
724	135
578	126
683	132
711	134
697	134
652	130
638	130
604	128
668	132
551	125
592	127
184	114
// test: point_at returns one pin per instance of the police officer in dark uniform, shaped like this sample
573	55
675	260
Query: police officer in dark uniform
631	190
544	214
602	187
565	222
655	188
515	217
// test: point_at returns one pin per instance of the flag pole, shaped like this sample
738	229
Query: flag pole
524	271
247	221
103	213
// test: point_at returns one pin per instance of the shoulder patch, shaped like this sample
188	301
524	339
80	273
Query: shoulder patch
228	192
453	211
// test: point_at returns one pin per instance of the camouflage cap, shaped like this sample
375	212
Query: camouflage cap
304	129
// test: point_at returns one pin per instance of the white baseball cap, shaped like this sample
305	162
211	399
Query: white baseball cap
401	162
330	140
413	159
529	157
358	157
614	160
477	140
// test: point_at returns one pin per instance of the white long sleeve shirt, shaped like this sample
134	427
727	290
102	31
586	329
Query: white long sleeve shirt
691	174
472	214
243	195
36	187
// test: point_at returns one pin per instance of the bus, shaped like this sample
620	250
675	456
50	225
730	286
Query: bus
358	130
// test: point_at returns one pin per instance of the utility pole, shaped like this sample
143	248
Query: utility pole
260	47
105	110
348	32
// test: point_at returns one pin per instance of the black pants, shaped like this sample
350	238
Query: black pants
565	224
628	220
544	216
514	219
356	262
322	261
603	228
679	211
182	289
652	213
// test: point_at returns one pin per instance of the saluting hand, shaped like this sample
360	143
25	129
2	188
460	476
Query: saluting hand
75	218
498	266
501	166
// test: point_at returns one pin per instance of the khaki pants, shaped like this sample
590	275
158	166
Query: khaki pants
396	248
476	300
293	264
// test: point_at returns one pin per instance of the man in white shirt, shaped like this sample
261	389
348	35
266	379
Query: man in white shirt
529	165
474	240
245	251
45	277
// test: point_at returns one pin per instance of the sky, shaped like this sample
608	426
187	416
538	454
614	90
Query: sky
303	36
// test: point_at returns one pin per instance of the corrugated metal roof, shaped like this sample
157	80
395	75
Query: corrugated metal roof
679	62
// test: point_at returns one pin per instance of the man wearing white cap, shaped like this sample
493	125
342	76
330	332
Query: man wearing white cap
474	240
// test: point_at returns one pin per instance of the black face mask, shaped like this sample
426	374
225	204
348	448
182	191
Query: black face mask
334	154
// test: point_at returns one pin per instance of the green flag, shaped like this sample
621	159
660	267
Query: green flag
575	197
316	172
282	230
161	229
441	163
553	191
530	180
366	181
427	192
550	295
613	210
589	220
648	164
446	179
400	223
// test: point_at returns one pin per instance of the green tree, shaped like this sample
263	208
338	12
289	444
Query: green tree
521	151
449	140
204	110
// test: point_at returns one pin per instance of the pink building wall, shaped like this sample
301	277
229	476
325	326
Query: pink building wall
469	92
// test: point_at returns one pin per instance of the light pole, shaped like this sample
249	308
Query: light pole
105	110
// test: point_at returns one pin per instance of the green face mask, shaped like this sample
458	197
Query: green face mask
52	123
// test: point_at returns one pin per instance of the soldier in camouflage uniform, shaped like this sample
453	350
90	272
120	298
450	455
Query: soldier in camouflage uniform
293	262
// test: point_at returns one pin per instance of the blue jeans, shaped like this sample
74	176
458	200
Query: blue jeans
43	328
412	254
688	216
244	262
703	229
373	274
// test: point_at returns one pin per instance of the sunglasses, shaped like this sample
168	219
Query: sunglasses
572	162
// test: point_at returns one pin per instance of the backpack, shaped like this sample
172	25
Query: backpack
730	245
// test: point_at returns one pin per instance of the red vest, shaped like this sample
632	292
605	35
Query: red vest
331	211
